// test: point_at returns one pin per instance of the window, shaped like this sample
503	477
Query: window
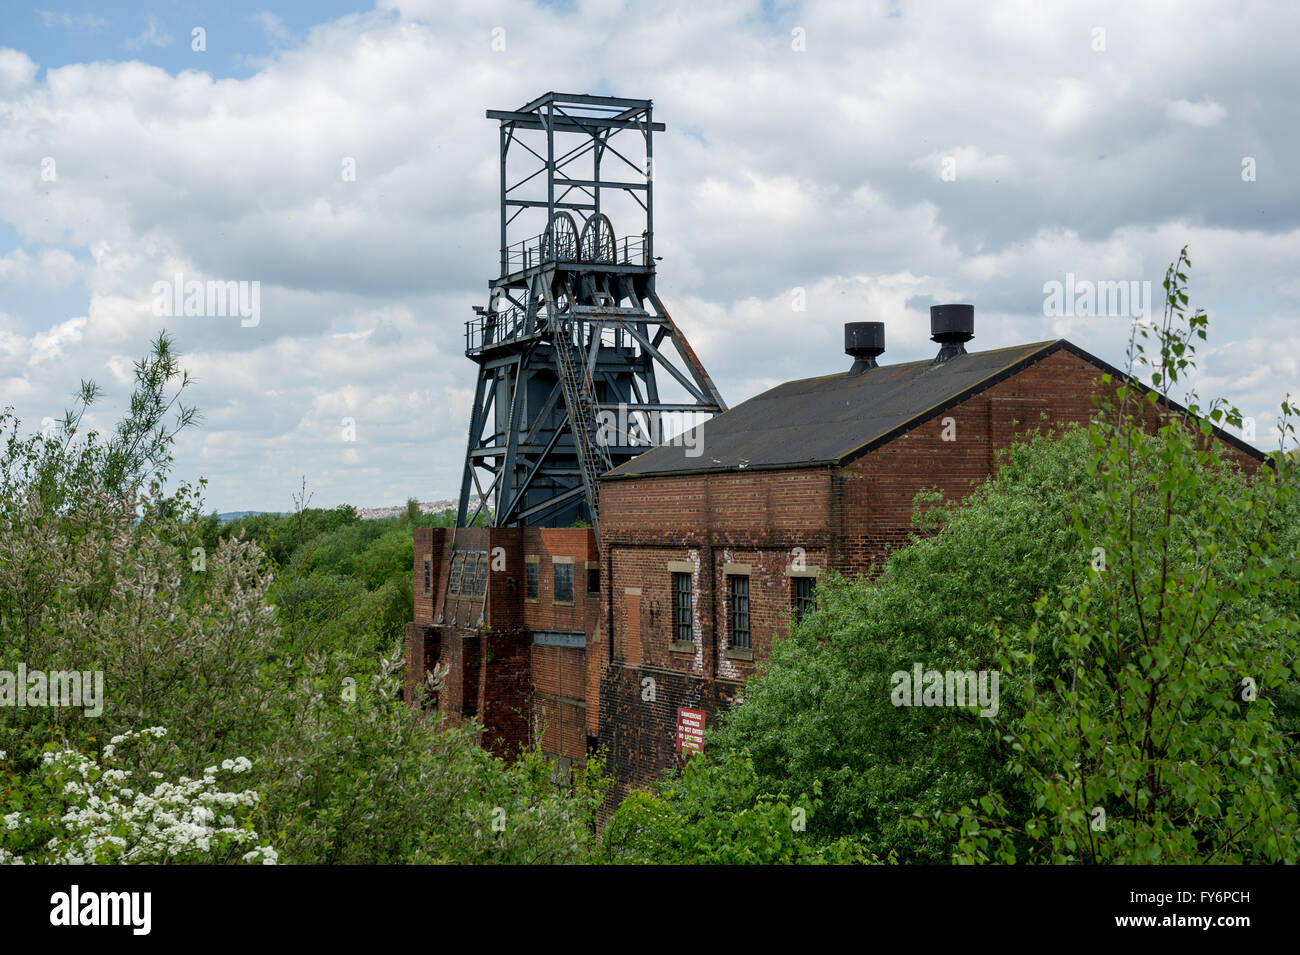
738	596
530	580
428	575
682	608
805	600
457	569
480	578
593	580
563	583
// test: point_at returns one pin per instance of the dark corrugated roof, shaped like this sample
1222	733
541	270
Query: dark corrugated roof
825	420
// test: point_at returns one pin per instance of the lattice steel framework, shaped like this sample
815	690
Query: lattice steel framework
573	330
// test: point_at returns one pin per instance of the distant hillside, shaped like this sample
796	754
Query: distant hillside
426	507
365	513
235	515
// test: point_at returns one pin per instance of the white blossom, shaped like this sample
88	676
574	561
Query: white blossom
176	822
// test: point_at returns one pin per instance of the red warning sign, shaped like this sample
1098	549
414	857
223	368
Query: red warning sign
690	731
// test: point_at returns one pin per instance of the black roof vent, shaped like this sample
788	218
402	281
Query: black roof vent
863	341
951	326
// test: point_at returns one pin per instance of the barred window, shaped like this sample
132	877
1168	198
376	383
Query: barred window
563	583
457	569
530	580
805	598
738	594
428	575
682	608
480	578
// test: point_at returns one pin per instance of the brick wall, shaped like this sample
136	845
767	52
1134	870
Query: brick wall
767	525
656	526
565	699
577	545
449	628
848	518
504	690
559	677
644	598
639	720
431	543
956	450
423	648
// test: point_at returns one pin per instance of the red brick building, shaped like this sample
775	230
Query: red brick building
703	560
530	599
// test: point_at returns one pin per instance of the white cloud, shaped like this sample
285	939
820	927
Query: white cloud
152	35
17	70
273	26
78	23
965	162
51	268
1068	105
1204	113
780	169
50	344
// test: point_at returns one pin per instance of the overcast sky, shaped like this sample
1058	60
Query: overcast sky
879	156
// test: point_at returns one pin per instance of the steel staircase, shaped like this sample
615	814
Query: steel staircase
580	397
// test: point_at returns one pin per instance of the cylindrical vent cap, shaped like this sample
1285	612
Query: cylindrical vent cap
864	339
952	323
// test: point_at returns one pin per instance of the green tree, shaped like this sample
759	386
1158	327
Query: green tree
1163	737
966	594
822	709
716	813
198	629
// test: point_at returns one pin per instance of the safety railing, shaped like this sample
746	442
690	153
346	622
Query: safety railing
491	328
629	250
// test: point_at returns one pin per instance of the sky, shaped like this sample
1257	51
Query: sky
823	163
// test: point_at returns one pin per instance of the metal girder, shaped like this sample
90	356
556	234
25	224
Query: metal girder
546	371
559	500
648	406
580	183
507	512
587	99
568	123
538	204
688	354
685	382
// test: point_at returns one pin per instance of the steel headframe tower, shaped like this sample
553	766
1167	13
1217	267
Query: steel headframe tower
568	343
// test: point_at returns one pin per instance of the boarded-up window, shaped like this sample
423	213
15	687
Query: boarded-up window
632	628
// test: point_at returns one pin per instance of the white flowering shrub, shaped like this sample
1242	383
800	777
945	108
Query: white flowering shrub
98	573
75	810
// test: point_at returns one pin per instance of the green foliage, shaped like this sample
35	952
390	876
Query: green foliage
356	777
273	638
716	813
822	709
280	535
1163	738
61	466
1120	690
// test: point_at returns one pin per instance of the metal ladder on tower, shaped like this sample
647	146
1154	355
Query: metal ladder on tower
580	397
